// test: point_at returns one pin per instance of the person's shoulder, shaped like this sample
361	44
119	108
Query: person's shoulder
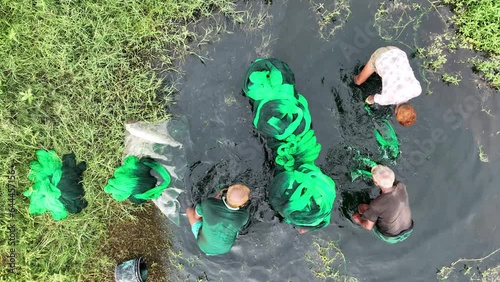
399	184
212	202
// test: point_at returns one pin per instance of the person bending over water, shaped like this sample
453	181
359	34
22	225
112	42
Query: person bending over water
216	222
398	82
388	215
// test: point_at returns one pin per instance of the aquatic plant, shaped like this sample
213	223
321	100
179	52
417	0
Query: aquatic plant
328	262
331	17
471	269
452	78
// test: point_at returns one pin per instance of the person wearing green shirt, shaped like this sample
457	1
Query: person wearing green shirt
216	221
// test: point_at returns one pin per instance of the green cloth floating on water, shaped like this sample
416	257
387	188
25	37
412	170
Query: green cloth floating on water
365	165
304	197
57	185
300	192
386	137
134	181
388	140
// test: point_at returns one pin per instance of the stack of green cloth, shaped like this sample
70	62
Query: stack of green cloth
300	192
57	185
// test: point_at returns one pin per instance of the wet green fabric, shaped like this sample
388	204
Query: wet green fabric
393	240
281	117
133	180
388	140
300	192
71	184
363	166
386	136
57	185
220	226
268	78
296	150
304	197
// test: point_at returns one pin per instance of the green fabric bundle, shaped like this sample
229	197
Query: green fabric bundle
134	180
296	150
281	117
300	192
304	197
57	185
267	79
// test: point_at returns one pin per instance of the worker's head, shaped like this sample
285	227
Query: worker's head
405	114
383	176
237	195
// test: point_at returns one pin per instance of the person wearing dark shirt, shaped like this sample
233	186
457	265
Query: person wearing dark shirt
216	222
389	215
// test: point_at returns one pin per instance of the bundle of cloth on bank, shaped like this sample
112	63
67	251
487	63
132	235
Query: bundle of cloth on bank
300	192
57	185
138	180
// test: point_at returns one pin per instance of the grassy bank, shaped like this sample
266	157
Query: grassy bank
71	74
478	25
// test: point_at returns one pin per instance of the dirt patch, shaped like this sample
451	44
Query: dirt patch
146	235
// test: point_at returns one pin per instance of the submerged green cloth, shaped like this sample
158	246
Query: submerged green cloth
364	166
393	239
220	226
134	181
57	185
388	140
385	136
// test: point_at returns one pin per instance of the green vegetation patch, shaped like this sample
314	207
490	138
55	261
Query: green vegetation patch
473	25
327	262
331	17
71	74
473	269
478	24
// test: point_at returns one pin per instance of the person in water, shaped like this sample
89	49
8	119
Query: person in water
399	84
216	221
389	215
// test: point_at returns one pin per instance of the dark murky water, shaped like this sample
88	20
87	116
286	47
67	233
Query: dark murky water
453	195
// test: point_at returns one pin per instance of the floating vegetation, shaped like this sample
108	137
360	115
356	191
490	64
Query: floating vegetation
331	17
452	78
471	270
394	17
482	155
327	261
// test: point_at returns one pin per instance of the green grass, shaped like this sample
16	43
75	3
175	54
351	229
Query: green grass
478	24
71	74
